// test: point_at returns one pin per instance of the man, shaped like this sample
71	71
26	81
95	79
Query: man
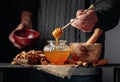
9	19
56	13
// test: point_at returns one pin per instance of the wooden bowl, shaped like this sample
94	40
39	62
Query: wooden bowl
85	52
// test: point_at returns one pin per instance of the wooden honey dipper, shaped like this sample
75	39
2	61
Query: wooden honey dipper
58	31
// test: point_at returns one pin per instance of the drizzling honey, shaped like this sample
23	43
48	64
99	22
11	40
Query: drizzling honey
56	41
57	33
58	52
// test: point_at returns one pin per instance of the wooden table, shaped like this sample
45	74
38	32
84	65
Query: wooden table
117	74
7	67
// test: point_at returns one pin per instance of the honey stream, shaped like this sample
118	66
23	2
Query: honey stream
56	41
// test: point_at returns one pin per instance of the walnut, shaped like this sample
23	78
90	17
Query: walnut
31	57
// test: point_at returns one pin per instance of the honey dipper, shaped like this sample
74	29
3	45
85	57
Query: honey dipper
58	31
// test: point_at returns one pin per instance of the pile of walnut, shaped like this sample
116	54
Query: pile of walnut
31	57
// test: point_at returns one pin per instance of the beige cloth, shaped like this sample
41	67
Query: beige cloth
57	70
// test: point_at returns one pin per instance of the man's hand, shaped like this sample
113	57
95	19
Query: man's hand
26	19
25	24
11	37
86	21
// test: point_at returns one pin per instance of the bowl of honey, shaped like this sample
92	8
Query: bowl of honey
58	53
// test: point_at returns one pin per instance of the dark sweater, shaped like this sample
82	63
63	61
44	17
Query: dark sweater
49	14
108	13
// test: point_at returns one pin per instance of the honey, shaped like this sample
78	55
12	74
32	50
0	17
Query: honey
56	41
57	57
57	33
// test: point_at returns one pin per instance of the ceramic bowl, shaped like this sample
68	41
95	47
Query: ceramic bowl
85	52
26	38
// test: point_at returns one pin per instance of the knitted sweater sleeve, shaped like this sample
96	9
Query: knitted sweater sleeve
108	13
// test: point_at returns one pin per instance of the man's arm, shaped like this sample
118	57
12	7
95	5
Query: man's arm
107	12
29	10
